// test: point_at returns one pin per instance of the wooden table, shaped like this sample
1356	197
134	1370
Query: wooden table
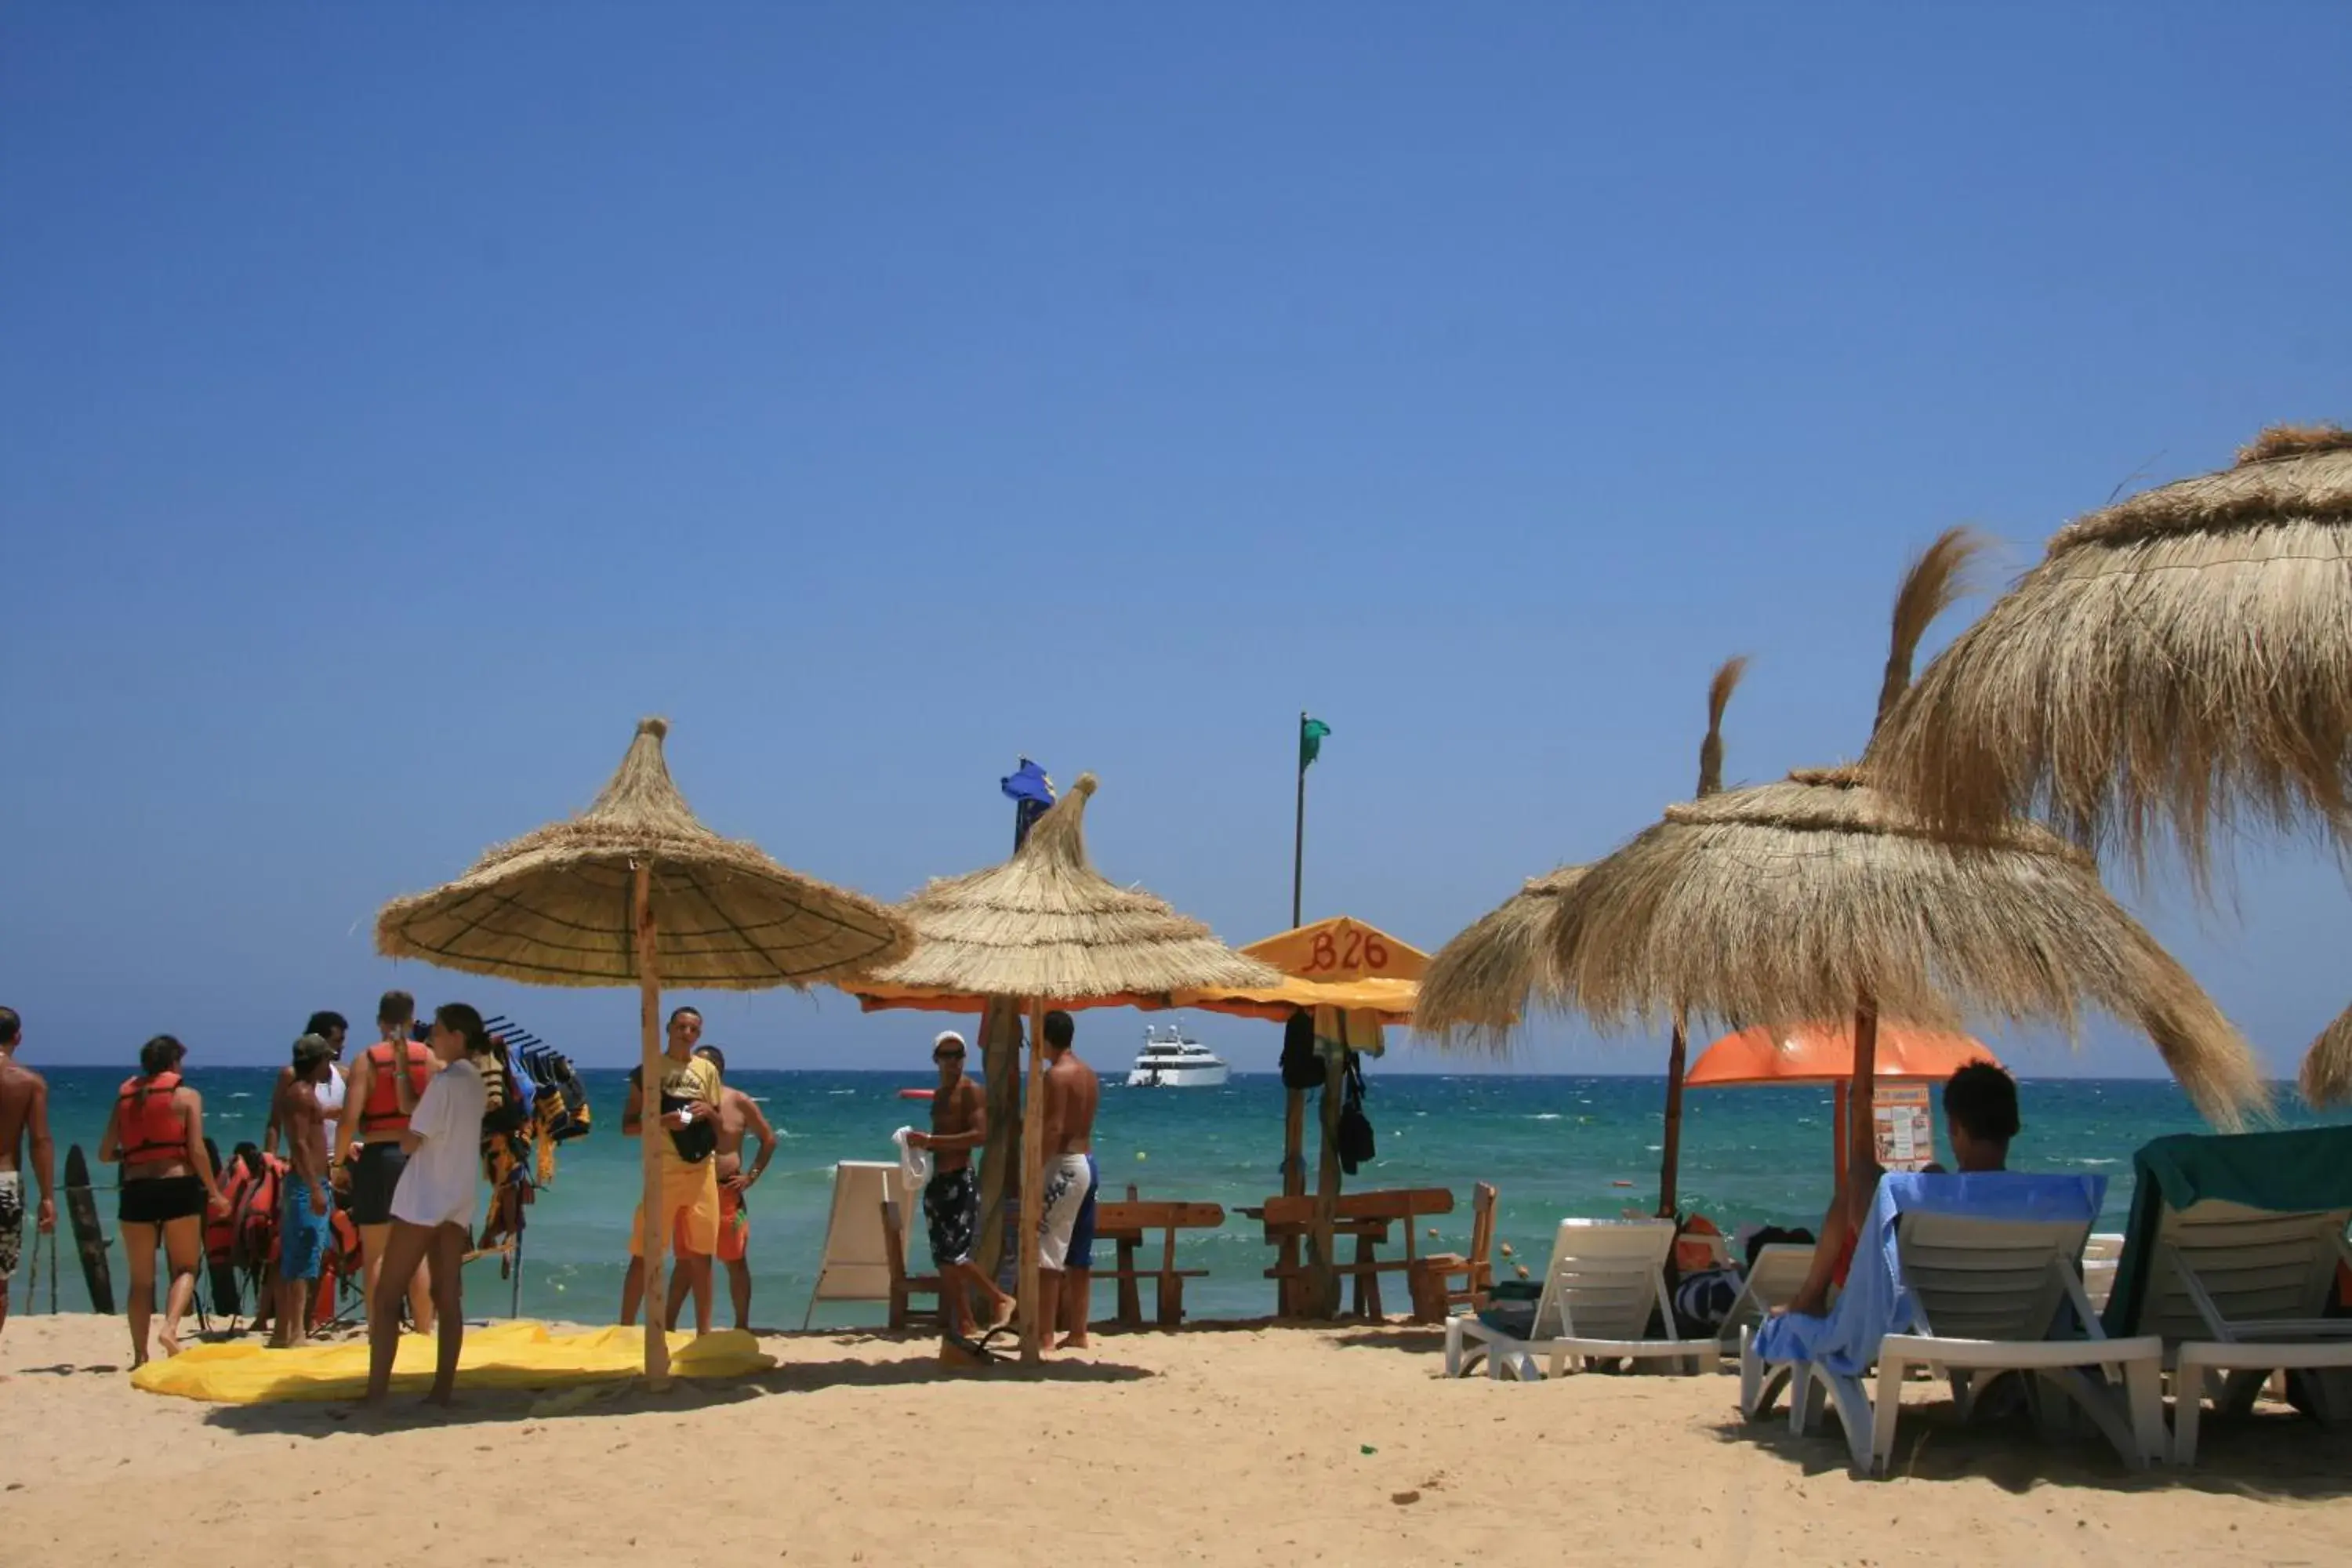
1365	1216
1126	1223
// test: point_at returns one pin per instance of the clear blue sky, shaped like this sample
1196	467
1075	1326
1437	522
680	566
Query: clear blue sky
398	401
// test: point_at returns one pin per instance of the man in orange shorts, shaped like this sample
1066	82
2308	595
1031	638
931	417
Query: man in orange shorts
739	1117
687	1126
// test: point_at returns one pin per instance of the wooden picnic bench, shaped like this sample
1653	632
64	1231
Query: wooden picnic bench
1367	1217
1126	1222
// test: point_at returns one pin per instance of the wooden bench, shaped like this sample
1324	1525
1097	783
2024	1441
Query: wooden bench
903	1312
1363	1215
1126	1223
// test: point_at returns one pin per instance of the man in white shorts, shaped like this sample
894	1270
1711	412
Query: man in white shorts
1065	1236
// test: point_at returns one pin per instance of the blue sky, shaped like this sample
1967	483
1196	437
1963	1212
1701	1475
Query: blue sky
399	401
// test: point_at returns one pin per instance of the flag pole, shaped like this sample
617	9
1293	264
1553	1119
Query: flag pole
1299	832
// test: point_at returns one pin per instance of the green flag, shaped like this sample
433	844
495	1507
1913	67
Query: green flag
1310	740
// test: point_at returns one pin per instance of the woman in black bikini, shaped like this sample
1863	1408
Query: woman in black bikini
157	1132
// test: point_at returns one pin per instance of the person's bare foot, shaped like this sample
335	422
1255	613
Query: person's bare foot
445	1399
169	1341
1006	1306
1075	1342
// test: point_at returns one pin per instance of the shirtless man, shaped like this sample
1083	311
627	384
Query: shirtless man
333	1028
951	1198
1066	1236
23	1113
304	1207
739	1116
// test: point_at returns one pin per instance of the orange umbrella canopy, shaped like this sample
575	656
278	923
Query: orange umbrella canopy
1824	1053
1335	963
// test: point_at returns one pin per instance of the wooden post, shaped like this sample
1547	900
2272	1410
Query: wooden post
1290	1292
1033	1189
999	1059
1863	1102
649	1128
1323	1297
1669	1162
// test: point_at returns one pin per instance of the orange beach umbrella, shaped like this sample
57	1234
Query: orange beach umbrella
1824	1053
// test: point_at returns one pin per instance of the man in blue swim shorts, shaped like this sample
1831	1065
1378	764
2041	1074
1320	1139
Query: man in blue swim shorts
305	1209
1067	1234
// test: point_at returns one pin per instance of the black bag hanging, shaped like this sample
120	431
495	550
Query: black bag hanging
1302	1064
1355	1130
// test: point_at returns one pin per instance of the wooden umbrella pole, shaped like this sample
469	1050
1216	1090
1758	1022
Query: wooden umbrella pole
1323	1297
1840	1138
1670	1161
1861	1101
1033	1189
656	1234
1289	1292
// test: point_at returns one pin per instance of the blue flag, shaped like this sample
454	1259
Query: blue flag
1032	792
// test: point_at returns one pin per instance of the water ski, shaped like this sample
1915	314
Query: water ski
82	1210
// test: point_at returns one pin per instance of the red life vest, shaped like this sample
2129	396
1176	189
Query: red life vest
381	1111
147	1123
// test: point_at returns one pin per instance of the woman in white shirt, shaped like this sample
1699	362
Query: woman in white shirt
433	1206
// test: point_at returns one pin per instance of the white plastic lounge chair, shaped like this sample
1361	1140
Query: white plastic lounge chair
2236	1293
1778	1274
1987	1296
857	1265
1605	1280
2100	1255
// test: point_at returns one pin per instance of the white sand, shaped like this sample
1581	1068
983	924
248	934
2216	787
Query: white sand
1224	1445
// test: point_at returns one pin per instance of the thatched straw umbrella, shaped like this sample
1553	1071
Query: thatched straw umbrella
1480	985
2177	661
1045	928
633	892
1822	898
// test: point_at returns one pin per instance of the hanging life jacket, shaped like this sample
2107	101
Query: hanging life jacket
381	1113
147	1125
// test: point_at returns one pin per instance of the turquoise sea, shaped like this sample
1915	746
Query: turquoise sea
1554	1146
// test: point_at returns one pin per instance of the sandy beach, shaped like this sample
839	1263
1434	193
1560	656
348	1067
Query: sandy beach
1223	1443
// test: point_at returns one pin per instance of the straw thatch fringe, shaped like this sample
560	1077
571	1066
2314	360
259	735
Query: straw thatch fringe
1718	698
1782	904
1932	584
2178	666
1479	984
1047	924
2326	1076
553	908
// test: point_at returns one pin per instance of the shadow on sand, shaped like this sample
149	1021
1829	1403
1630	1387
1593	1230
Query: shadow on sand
2275	1455
803	1367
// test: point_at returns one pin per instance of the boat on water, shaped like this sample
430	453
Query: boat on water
1171	1061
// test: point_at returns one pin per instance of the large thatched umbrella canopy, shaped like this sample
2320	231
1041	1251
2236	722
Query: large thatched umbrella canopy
1043	928
1787	903
2177	661
1482	983
1821	898
633	891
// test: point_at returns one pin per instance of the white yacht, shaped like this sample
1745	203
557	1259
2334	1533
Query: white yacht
1172	1061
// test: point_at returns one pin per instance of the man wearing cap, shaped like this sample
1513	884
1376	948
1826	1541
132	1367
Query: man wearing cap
951	1197
305	1211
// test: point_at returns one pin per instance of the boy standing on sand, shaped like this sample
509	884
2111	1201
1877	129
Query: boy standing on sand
951	1198
304	1208
739	1117
24	1111
1067	1235
688	1109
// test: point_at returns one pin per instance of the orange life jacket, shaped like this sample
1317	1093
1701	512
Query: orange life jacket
147	1120
381	1111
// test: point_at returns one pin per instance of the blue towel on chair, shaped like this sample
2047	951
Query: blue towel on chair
1876	1302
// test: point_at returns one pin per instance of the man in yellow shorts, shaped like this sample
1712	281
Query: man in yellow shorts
689	1122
